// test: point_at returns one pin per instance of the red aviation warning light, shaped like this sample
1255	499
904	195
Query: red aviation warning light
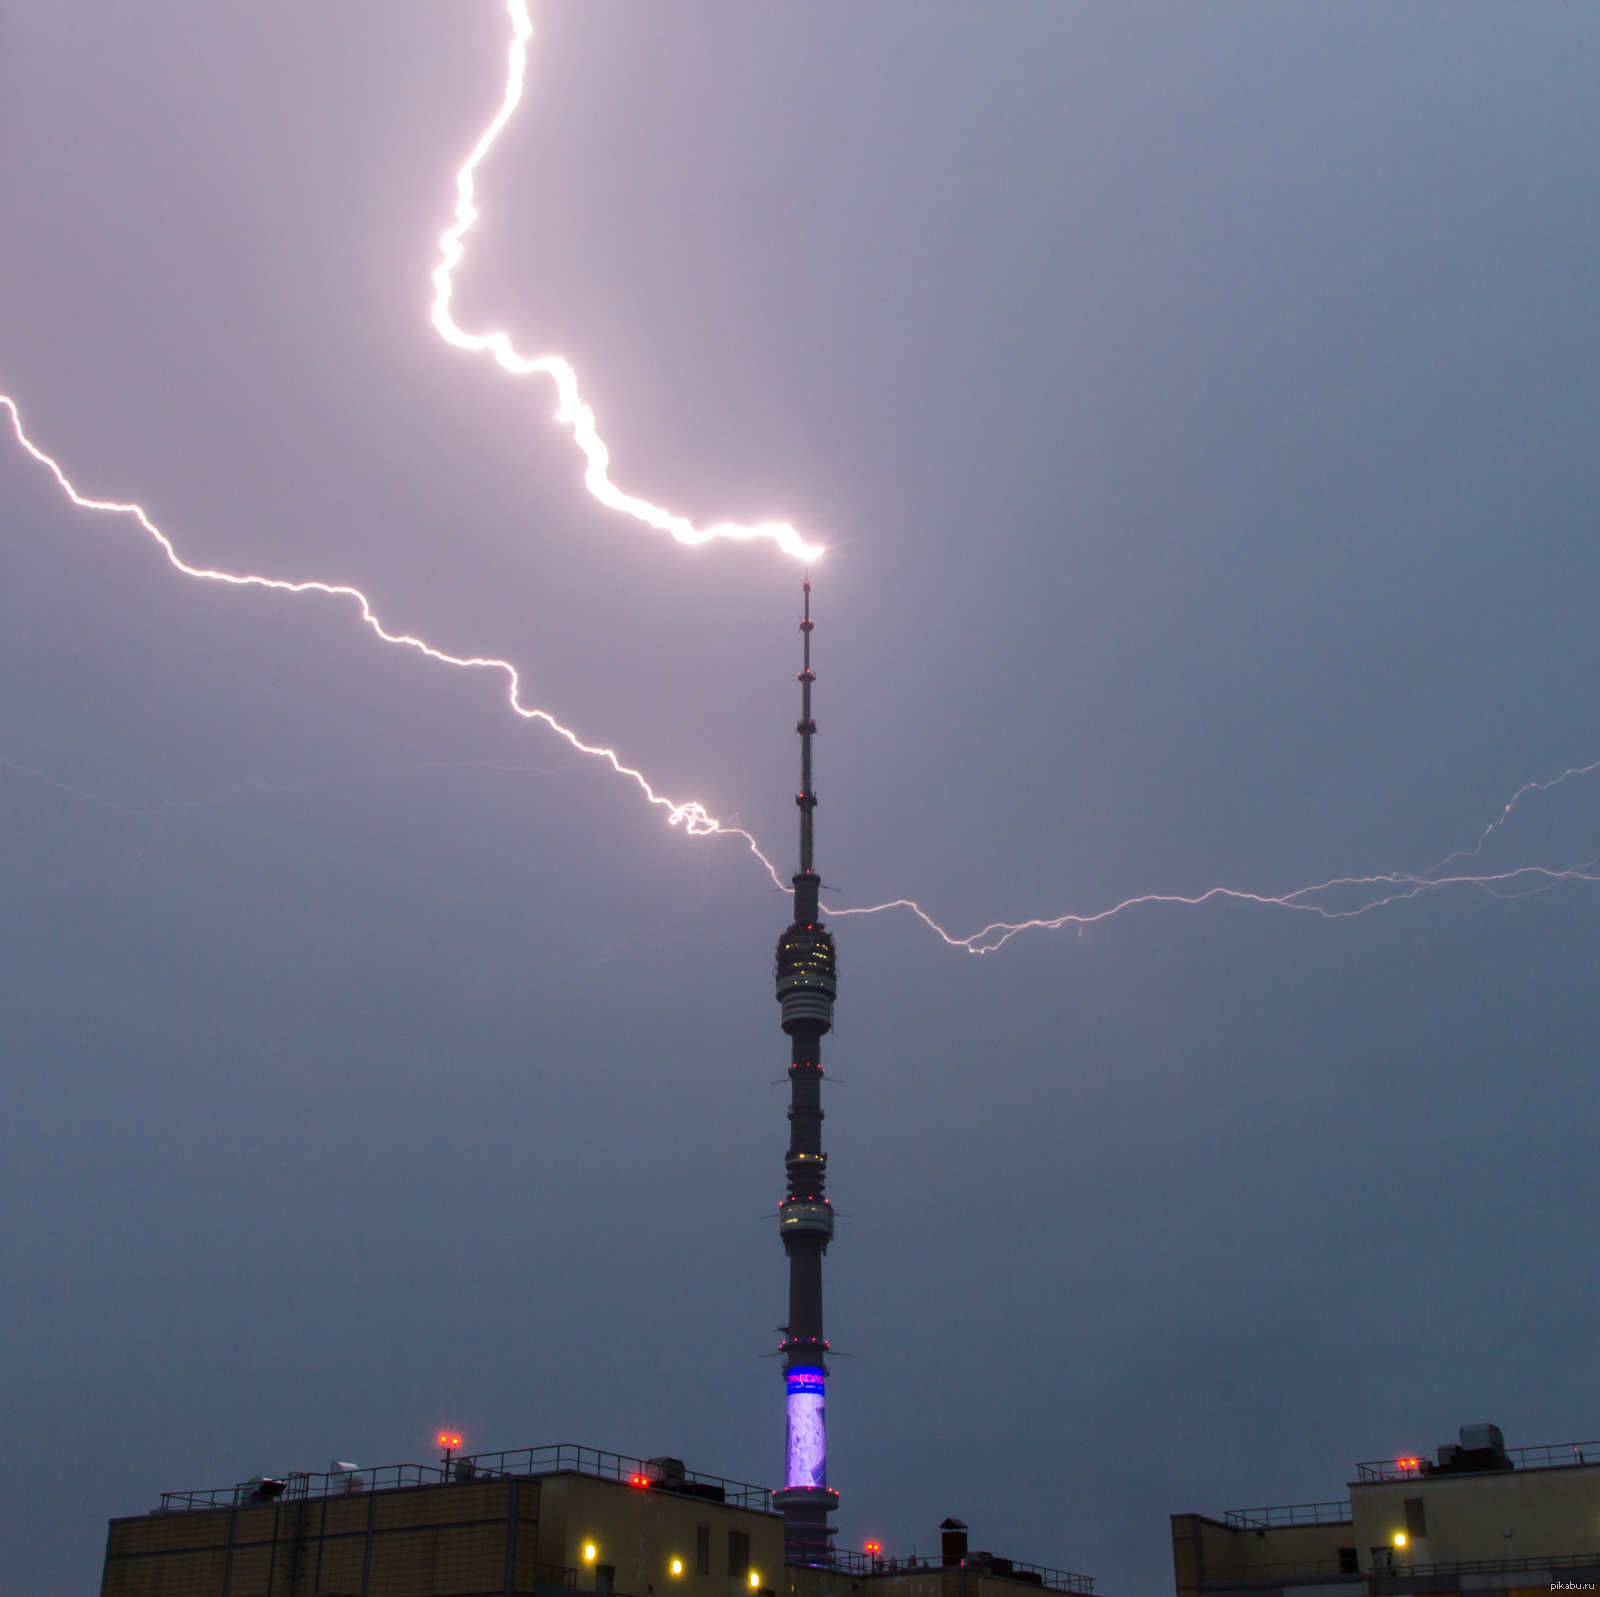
449	1439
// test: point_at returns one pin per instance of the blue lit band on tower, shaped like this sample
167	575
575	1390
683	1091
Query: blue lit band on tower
807	986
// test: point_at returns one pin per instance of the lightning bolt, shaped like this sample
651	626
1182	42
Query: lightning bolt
1389	888
1336	899
1505	814
572	411
1331	900
690	814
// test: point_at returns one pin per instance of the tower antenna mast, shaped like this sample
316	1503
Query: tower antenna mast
806	727
807	981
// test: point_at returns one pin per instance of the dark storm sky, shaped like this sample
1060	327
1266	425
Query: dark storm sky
1199	403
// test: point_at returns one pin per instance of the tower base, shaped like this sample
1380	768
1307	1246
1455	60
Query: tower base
806	1530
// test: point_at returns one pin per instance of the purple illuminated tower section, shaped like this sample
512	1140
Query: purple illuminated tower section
807	985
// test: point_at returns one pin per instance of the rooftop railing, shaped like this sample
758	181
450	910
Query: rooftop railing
521	1464
1289	1514
299	1484
658	1474
1557	1455
869	1564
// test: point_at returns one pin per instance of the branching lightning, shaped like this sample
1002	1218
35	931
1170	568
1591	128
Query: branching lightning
1386	889
690	814
1337	898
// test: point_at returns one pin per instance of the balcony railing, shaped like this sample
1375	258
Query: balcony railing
1557	1455
1288	1515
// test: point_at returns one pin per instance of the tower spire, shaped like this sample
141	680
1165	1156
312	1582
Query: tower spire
807	728
807	983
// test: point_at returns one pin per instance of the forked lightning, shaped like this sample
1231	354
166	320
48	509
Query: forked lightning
1338	898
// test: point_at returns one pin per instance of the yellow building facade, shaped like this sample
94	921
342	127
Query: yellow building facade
1481	1518
544	1522
629	1532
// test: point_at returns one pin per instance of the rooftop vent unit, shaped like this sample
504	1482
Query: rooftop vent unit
992	1564
1482	1449
264	1490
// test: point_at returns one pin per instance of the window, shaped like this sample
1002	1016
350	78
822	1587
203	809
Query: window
1416	1518
702	1549
1347	1561
738	1554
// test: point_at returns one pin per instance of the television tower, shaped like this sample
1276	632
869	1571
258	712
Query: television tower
807	986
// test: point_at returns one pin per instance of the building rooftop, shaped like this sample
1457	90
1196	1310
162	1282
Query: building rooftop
1554	1455
1478	1513
649	1474
869	1564
1288	1514
342	1481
